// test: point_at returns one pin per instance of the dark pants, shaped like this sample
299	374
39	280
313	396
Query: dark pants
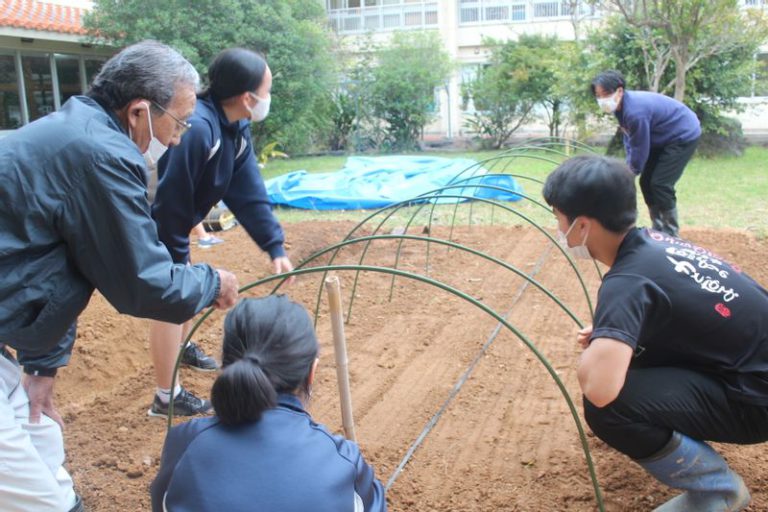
662	171
656	401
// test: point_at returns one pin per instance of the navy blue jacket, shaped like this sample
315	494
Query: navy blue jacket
284	462
74	216
652	120
214	161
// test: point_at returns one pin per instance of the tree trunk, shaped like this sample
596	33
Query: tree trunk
680	71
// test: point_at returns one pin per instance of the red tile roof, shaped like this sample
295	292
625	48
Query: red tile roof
44	16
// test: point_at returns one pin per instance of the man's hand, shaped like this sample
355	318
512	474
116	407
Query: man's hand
582	338
228	290
283	264
40	393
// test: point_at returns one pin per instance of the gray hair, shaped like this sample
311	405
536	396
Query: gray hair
149	70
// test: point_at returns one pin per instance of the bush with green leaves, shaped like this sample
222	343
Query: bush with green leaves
400	84
723	137
521	74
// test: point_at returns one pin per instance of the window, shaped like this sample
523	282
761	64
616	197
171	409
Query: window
10	106
413	19
467	75
497	13
545	9
434	106
371	22
761	75
469	11
518	12
38	85
68	73
391	20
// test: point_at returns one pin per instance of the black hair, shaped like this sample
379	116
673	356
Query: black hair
269	348
609	81
596	186
235	71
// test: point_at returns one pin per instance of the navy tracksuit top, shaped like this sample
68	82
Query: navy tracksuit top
651	120
214	161
285	462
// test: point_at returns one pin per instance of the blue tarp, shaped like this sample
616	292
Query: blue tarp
376	182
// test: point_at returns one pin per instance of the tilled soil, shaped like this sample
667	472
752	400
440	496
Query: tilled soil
507	440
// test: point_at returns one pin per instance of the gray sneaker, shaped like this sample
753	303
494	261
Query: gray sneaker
195	358
185	404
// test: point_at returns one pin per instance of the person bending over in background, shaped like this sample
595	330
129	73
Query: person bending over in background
678	351
214	161
74	217
262	450
660	137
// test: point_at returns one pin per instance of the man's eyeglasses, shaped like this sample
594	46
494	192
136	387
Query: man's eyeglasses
182	126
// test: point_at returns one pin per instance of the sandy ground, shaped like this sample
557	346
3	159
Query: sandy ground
506	442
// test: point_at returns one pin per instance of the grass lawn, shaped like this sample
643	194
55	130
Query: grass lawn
721	192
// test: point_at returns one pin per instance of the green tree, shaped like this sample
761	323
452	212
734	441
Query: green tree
520	75
500	108
354	103
402	83
687	32
545	59
292	34
712	86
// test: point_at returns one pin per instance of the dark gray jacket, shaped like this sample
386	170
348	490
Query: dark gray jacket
74	216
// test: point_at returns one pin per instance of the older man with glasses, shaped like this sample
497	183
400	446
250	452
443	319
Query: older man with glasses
74	217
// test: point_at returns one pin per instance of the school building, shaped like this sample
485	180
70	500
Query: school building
45	57
462	25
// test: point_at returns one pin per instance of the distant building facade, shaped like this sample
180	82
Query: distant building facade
462	25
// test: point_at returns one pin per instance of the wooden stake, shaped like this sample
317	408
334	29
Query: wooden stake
333	288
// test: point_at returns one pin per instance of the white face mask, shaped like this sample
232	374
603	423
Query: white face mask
260	111
156	149
579	251
609	104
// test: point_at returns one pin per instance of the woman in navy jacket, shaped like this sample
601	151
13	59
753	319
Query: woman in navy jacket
214	161
262	451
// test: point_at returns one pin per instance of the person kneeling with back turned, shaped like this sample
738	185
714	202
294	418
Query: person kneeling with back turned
262	451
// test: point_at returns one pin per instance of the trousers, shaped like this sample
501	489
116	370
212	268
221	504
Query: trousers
654	402
32	476
662	171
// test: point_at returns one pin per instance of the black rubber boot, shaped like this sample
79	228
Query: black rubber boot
669	222
656	222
